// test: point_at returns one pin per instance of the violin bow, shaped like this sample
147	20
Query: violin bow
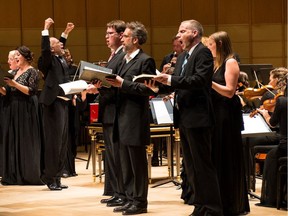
256	78
267	89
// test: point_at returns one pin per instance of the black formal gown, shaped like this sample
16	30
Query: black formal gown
21	133
228	150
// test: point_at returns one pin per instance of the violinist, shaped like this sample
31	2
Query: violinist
277	78
267	92
243	83
278	117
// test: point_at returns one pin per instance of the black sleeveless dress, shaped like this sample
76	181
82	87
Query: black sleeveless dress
227	150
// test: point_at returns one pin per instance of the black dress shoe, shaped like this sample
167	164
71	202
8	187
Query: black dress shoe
58	182
133	209
122	208
116	202
108	200
54	187
63	186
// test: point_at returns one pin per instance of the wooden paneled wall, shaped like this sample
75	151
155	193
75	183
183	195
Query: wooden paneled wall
258	28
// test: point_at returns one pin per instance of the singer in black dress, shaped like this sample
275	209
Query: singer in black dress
21	126
227	141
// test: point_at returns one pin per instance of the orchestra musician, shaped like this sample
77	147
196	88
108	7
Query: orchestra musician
268	91
168	62
278	117
276	77
243	83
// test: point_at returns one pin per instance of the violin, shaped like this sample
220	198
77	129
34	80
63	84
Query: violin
268	104
252	93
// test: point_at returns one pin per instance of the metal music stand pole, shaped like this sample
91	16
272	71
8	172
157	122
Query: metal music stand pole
176	183
248	170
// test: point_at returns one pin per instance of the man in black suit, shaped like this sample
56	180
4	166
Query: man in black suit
168	59
54	109
107	116
133	118
193	114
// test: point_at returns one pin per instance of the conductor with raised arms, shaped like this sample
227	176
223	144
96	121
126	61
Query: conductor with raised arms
55	109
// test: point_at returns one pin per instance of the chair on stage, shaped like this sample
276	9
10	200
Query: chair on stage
281	182
259	153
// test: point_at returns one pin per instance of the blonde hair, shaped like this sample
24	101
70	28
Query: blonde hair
223	48
204	40
280	74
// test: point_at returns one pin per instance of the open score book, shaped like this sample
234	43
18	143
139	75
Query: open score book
90	72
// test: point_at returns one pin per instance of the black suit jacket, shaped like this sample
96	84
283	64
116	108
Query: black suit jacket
107	99
54	72
133	101
193	89
166	60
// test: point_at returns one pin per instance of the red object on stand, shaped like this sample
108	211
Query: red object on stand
94	108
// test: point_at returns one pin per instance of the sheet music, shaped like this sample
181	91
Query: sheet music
74	87
161	112
255	126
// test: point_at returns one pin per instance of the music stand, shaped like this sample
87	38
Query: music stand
162	113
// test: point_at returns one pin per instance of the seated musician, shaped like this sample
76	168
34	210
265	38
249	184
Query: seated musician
243	83
278	117
276	78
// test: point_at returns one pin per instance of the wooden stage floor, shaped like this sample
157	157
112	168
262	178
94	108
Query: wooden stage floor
83	196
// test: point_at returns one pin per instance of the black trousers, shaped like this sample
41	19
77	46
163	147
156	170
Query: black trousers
55	139
113	170
201	173
135	174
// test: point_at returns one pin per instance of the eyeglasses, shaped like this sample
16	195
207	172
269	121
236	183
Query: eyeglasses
109	34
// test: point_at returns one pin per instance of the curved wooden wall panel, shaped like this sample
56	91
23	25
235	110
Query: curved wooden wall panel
258	28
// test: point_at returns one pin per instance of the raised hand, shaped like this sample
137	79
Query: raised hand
48	22
69	27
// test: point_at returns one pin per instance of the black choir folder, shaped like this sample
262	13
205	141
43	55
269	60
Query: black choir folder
89	72
162	111
6	75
